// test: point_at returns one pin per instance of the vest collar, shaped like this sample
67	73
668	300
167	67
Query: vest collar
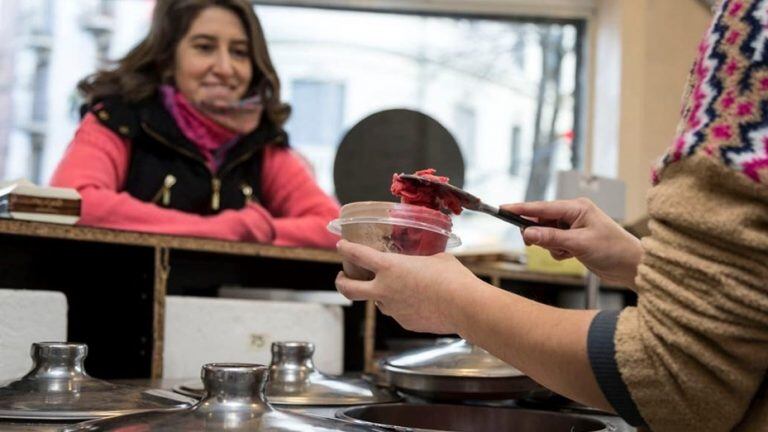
158	123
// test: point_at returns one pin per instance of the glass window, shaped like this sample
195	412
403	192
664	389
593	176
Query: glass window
506	88
514	162
315	125
465	131
317	111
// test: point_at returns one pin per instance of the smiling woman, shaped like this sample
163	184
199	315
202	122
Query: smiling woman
185	136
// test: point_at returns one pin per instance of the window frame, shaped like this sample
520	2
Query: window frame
549	9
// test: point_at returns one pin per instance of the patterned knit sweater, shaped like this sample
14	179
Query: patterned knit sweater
693	354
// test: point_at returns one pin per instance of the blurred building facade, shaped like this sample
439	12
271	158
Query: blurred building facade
47	47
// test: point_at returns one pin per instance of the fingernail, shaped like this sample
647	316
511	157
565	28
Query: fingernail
532	235
338	244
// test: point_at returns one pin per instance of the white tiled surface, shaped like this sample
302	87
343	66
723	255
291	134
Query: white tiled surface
27	317
203	330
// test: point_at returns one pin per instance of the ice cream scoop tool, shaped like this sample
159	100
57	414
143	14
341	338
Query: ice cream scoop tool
467	200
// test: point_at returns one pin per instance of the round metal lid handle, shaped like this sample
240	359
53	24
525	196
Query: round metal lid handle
234	385
58	360
292	362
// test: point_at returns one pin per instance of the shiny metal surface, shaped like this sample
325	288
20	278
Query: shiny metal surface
544	399
29	426
22	426
460	418
456	370
294	380
234	401
58	388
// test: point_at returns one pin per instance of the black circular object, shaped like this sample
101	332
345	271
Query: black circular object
543	399
393	141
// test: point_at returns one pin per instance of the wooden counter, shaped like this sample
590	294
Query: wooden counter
491	269
53	231
116	283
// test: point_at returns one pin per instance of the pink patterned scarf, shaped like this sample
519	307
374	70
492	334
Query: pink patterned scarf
211	138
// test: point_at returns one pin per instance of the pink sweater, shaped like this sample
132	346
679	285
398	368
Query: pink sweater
295	211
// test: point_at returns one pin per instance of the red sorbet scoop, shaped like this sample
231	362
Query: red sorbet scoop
426	194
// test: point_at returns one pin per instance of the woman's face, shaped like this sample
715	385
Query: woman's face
213	63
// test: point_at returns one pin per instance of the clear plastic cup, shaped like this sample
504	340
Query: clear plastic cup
393	227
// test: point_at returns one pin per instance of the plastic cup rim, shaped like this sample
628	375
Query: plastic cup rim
335	226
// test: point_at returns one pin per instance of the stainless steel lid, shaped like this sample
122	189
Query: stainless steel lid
455	370
294	380
457	358
234	401
58	388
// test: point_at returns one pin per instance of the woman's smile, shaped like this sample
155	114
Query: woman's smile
217	93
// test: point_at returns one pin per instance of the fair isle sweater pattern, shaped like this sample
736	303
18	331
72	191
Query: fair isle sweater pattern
726	111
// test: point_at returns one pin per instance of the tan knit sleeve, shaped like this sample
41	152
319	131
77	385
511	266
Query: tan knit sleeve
695	350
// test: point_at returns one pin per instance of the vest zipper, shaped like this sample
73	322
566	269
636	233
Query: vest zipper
191	155
164	194
215	193
167	143
240	160
216	178
247	192
236	162
216	181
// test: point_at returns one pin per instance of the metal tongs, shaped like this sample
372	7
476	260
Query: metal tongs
469	201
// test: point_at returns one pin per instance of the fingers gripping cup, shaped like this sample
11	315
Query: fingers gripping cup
393	227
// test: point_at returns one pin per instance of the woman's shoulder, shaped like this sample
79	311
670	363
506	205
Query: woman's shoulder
121	117
92	127
281	156
280	161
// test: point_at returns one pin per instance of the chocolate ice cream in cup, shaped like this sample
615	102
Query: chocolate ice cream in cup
393	227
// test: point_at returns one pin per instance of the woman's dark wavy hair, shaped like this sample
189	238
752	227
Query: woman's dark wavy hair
137	76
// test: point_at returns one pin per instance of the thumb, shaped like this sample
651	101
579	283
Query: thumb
553	239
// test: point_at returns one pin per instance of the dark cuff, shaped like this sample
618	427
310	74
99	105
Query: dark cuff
602	356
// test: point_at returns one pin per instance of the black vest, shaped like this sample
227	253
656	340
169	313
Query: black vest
167	169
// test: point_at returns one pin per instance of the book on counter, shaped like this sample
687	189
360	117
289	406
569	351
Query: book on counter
23	200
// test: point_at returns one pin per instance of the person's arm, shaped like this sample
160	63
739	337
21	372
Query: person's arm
699	333
554	345
96	164
693	354
300	209
439	295
549	344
